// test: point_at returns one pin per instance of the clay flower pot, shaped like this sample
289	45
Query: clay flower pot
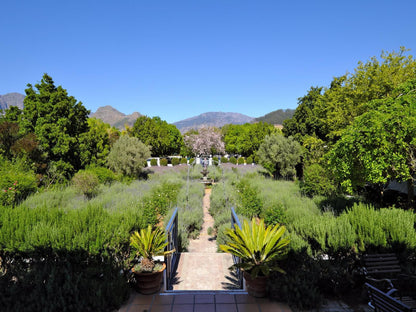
256	287
149	283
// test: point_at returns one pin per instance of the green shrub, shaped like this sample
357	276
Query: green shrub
128	156
241	161
299	287
273	215
191	161
233	160
316	181
224	160
256	159
215	161
104	175
249	160
250	204
153	162
86	183
163	162
61	281
175	161
17	181
184	160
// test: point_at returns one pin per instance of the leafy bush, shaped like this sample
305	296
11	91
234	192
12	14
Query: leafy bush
58	280
240	161
163	162
153	162
299	287
86	183
250	204
316	181
128	156
175	161
184	160
215	161
256	159
249	160
233	160
191	161
273	215
17	181
104	175
224	160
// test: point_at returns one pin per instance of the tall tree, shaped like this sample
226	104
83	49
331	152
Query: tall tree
164	139
245	139
325	113
96	143
279	155
380	145
58	120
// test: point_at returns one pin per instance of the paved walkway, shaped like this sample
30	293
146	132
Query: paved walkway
203	282
202	268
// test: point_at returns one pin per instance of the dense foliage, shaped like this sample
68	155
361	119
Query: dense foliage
164	139
128	156
245	139
58	121
280	155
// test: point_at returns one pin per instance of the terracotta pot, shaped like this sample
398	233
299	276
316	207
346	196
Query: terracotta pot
149	283
256	287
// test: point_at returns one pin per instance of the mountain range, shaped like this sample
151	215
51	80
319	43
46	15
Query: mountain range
11	99
112	116
212	119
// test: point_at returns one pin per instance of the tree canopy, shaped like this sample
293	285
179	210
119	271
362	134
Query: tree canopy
58	121
163	138
325	112
380	145
206	141
279	155
245	139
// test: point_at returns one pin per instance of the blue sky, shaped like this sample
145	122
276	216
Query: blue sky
178	59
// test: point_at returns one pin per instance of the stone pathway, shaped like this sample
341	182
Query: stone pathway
202	268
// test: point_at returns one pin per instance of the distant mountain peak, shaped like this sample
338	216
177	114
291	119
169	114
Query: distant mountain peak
212	119
112	116
11	99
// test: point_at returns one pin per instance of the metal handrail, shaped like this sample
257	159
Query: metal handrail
235	221
172	240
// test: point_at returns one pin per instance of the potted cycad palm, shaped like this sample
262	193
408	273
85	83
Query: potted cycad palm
148	244
258	247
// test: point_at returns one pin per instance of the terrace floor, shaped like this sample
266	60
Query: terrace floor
201	302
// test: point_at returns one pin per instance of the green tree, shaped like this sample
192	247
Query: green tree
58	121
380	145
245	139
128	156
165	139
96	143
324	113
279	155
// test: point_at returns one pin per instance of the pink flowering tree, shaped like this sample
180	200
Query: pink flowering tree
207	141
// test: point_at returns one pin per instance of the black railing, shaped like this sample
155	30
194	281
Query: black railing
172	239
236	222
